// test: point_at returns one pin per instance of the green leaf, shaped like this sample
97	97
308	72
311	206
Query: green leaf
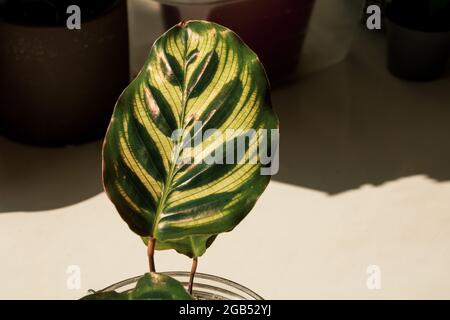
159	286
152	286
196	72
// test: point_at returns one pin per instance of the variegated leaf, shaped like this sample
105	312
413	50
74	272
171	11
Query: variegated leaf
198	74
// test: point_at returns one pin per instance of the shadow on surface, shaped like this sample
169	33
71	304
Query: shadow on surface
347	126
354	124
34	179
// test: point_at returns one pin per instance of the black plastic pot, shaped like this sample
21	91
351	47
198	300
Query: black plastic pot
59	86
418	40
417	55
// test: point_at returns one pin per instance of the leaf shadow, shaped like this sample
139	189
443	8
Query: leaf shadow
354	124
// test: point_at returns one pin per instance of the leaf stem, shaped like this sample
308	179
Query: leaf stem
151	253
193	271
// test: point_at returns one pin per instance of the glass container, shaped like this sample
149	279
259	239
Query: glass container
206	287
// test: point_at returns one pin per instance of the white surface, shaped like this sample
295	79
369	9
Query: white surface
296	244
366	160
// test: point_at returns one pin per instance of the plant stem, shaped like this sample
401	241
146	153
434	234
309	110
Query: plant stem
191	278
151	253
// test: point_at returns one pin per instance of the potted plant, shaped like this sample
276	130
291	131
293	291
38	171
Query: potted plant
418	38
187	152
59	84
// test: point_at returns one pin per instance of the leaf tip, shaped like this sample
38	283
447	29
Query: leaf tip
183	24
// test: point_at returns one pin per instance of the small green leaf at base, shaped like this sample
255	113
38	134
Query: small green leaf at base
154	286
158	286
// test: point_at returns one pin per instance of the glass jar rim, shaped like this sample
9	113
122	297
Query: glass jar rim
219	285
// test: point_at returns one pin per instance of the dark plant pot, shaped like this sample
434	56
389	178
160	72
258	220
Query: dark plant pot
59	86
416	55
274	29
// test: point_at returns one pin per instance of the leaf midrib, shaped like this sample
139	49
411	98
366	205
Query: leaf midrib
169	179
